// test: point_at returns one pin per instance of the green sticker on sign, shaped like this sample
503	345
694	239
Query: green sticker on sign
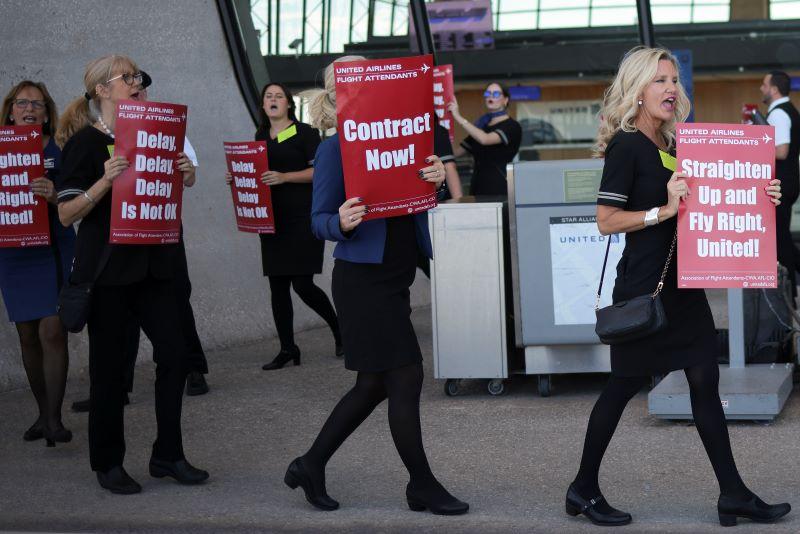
110	149
582	185
291	131
668	161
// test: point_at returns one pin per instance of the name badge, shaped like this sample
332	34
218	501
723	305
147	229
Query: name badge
288	133
668	161
110	149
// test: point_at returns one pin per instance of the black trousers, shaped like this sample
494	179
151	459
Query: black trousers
153	305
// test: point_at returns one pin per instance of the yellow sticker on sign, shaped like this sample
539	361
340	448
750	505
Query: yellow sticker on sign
668	161
110	149
289	132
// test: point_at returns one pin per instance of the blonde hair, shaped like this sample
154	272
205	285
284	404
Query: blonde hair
322	102
49	127
620	101
78	113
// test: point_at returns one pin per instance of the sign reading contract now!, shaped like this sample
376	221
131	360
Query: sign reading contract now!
146	198
726	227
384	111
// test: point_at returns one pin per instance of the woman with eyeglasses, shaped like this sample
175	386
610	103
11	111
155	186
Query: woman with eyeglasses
292	255
128	280
493	142
31	277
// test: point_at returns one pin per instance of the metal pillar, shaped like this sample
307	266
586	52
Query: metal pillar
646	34
419	14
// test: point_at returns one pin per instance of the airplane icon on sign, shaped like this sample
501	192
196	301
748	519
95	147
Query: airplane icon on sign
261	149
34	134
767	138
425	68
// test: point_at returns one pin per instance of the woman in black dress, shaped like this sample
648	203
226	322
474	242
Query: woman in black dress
375	266
135	280
292	255
493	142
640	196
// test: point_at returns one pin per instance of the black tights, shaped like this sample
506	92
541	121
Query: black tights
402	387
708	417
283	312
46	360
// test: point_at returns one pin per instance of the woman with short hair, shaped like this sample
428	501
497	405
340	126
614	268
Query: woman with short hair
639	196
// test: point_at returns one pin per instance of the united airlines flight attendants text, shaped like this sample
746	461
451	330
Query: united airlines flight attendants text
639	195
128	279
375	265
31	277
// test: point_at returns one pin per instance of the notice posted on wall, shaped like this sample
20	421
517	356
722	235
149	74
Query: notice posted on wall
146	198
252	199
384	111
577	250
23	215
443	94
726	227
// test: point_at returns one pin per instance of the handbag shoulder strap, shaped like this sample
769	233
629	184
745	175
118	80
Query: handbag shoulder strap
660	285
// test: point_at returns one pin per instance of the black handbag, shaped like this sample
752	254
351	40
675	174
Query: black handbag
632	319
75	299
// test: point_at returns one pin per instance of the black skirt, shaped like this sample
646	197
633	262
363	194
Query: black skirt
373	303
292	250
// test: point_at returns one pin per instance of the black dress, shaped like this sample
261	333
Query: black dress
489	174
292	249
635	179
373	303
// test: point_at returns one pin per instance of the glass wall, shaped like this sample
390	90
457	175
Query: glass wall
320	26
784	9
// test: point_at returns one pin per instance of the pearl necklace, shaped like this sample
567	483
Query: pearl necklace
105	128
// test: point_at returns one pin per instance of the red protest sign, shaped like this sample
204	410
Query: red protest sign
726	227
385	116
443	94
252	199
23	215
146	198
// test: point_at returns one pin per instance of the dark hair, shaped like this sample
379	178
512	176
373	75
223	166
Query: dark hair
263	119
49	127
502	88
781	81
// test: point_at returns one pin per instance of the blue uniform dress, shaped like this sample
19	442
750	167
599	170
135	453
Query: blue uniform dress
31	278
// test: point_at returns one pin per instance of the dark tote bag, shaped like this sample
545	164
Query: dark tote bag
75	299
632	319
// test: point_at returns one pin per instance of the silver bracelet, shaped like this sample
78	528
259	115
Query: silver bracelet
90	199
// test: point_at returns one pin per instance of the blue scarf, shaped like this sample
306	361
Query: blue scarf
485	119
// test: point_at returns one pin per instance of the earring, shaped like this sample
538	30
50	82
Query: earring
640	102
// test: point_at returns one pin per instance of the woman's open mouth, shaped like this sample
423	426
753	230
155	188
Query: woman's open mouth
669	104
135	96
29	119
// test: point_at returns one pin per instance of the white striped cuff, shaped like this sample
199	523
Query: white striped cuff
503	136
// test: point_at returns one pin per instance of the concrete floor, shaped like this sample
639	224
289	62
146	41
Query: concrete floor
510	457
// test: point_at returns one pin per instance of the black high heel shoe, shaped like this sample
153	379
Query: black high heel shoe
284	356
576	504
298	475
62	435
754	509
35	432
435	498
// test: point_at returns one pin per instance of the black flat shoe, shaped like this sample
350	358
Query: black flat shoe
576	505
196	384
284	356
181	470
116	480
35	432
62	435
754	509
435	498
298	475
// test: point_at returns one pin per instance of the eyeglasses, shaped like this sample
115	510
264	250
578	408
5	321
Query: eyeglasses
492	94
23	103
128	78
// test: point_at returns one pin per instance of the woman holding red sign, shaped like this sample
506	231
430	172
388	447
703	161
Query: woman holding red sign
293	255
375	266
127	279
493	141
639	195
30	278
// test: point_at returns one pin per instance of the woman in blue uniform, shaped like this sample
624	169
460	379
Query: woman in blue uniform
31	278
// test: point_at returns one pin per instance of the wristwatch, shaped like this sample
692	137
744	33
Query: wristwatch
651	217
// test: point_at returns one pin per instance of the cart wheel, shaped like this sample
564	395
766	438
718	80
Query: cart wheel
451	387
544	385
496	387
